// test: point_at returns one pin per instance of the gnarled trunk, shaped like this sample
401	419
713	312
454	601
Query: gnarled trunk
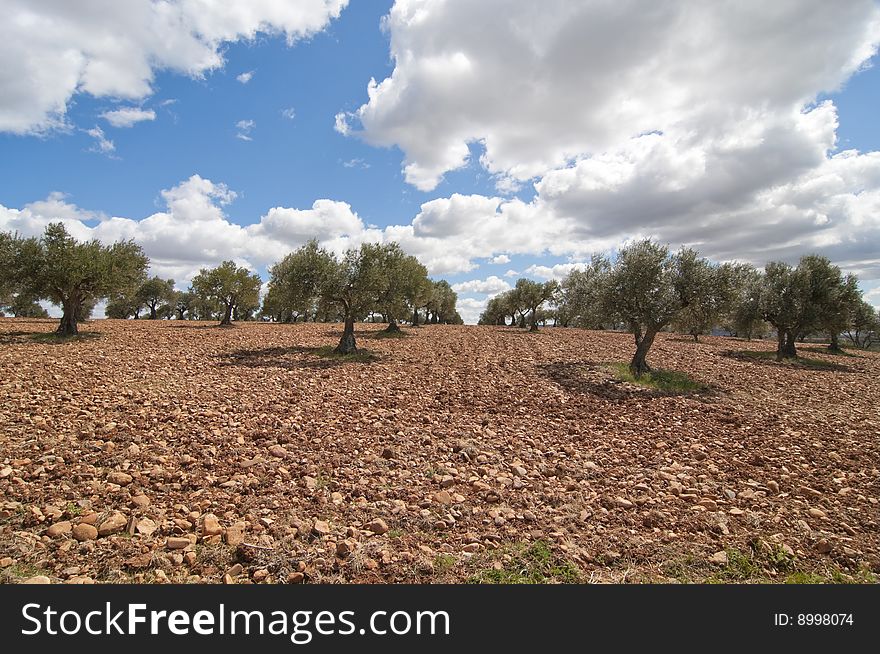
835	344
639	364
785	345
415	318
393	327
347	344
227	315
534	326
152	312
68	326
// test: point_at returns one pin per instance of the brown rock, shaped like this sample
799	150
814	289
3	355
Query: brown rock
146	527
83	532
140	501
113	524
443	497
119	478
295	578
59	529
321	528
177	543
378	526
211	525
40	579
235	534
719	558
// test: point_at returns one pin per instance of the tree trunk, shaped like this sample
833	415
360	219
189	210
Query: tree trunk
347	344
415	318
534	326
639	364
393	327
152	312
227	316
68	325
785	348
835	344
696	336
522	320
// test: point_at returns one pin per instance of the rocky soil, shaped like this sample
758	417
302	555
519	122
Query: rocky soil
183	452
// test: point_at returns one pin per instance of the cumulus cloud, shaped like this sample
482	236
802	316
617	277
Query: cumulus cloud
128	116
244	78
558	79
500	259
558	271
289	113
53	50
492	285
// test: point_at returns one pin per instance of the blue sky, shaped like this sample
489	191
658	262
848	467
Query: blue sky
560	163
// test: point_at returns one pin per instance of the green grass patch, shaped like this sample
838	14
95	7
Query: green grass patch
533	563
668	381
443	563
361	356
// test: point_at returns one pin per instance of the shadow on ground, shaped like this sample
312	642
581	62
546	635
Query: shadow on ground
44	338
594	378
768	358
293	358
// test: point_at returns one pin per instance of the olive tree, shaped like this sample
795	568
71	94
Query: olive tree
229	286
707	308
404	282
647	287
75	275
532	295
156	292
863	329
295	283
803	299
581	295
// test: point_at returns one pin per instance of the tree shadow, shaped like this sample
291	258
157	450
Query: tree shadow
291	358
595	378
768	358
45	338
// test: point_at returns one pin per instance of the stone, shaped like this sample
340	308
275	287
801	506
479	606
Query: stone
235	534
278	452
321	528
83	532
472	548
59	529
260	575
39	579
336	497
190	558
735	511
719	558
6	561
115	523
343	549
773	486
388	453
623	503
378	526
177	543
211	525
816	513
443	497
448	481
824	547
295	578
140	502
709	505
119	478
145	527
235	570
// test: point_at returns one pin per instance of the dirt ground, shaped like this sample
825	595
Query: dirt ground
182	452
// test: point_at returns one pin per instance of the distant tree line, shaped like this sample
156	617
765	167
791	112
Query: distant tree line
311	283
648	289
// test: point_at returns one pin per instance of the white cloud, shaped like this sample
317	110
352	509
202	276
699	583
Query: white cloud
102	144
289	113
53	50
128	116
340	123
492	285
511	273
557	271
500	259
245	127
470	309
356	163
556	80
244	78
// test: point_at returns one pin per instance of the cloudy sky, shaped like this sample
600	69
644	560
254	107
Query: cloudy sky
492	139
